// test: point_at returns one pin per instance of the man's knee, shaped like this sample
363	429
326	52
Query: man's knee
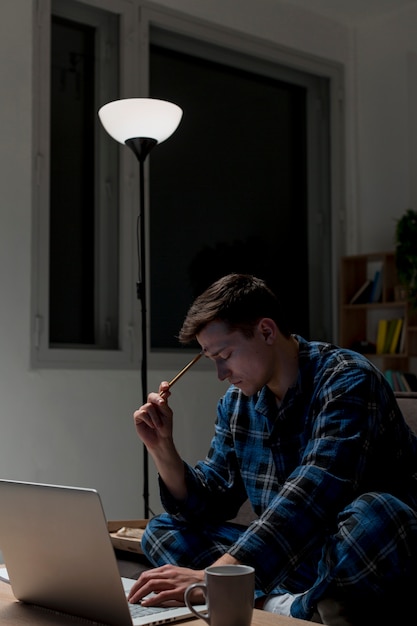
375	544
379	520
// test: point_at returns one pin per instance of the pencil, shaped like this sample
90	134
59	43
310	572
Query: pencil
184	369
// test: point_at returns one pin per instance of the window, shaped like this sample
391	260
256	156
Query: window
83	291
242	185
80	309
236	199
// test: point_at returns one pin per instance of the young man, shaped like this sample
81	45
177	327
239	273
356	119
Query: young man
311	433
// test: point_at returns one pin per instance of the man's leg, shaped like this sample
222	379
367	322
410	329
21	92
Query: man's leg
169	540
366	563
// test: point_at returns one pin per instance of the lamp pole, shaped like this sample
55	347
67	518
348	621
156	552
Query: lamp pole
141	294
141	123
141	148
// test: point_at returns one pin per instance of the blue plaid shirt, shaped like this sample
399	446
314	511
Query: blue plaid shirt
338	433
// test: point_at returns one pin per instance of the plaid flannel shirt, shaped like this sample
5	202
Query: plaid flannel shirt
337	434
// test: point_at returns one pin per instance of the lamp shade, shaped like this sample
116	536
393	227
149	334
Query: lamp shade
134	118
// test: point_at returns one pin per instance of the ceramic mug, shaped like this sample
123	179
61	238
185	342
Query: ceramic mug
229	595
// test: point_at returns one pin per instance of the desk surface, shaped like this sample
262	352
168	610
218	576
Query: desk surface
14	613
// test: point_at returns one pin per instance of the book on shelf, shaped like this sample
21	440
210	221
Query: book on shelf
401	343
376	292
401	381
389	336
362	295
381	335
391	326
402	385
395	341
411	380
395	380
388	375
405	382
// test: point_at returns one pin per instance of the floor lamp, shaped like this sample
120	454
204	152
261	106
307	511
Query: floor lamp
141	124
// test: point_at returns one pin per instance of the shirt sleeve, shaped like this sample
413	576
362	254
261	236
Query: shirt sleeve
214	486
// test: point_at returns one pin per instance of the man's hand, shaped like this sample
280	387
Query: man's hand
168	584
153	423
153	420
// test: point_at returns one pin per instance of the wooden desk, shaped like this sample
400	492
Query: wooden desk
14	613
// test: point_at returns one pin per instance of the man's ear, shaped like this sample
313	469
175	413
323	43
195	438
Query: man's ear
268	329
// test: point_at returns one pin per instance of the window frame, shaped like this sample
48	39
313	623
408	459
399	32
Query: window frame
137	18
42	355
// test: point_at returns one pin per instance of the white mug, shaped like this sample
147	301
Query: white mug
229	592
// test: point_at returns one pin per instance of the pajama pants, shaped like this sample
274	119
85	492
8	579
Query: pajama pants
372	553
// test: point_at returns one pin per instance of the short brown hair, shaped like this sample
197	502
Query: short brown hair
239	300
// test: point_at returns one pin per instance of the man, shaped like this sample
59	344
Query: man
313	436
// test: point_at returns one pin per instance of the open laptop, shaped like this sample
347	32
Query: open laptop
58	555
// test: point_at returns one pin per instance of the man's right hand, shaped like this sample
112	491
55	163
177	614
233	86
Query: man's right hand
153	420
153	423
168	584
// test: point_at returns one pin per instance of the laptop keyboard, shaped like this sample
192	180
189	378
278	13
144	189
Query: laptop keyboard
137	610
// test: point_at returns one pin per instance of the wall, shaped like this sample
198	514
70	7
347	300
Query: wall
75	427
386	104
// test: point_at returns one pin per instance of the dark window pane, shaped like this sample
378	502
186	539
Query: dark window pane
228	190
72	237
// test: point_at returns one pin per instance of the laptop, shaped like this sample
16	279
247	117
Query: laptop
58	555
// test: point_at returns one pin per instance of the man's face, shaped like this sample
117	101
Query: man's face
244	362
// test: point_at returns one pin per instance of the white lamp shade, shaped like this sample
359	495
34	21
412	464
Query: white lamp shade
134	118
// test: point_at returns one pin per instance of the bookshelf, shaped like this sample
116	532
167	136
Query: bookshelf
359	319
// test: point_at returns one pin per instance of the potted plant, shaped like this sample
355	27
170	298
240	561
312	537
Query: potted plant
406	254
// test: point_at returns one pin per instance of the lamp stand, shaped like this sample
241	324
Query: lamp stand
141	124
141	146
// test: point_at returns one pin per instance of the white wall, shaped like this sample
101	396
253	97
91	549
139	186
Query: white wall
386	130
75	427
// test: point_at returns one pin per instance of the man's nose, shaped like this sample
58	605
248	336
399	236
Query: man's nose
222	370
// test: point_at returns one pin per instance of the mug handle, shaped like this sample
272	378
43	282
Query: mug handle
203	587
